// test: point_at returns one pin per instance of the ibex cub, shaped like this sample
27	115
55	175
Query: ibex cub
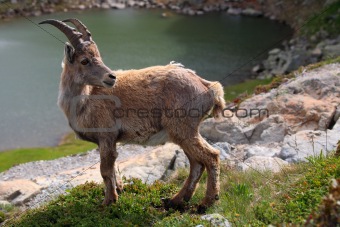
146	106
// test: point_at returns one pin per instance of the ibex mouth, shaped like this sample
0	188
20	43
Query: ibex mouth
108	84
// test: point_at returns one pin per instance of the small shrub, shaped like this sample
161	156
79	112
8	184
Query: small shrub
2	216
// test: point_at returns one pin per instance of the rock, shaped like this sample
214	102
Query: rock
336	114
18	192
105	6
271	129
274	51
4	203
234	11
265	151
152	165
317	52
116	5
308	143
216	220
199	12
131	3
251	12
261	163
179	160
305	103
36	13
81	7
224	148
141	4
225	131
257	69
331	51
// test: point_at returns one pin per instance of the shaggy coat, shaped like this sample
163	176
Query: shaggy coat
147	106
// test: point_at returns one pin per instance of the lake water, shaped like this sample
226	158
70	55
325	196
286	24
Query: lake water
214	45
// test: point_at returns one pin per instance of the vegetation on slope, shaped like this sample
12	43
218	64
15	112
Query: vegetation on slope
327	20
240	92
249	198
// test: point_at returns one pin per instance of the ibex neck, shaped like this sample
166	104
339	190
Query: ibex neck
70	94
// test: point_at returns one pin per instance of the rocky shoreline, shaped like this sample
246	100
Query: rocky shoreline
302	121
15	8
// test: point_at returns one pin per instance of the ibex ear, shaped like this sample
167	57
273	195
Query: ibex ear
69	52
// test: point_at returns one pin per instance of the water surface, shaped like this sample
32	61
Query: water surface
213	45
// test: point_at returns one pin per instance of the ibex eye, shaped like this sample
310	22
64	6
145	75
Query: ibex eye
85	61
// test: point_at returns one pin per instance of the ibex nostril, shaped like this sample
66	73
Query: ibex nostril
112	76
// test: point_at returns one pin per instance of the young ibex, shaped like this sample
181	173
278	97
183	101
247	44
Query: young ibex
92	95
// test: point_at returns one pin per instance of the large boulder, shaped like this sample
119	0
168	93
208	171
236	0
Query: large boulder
272	150
260	163
18	192
226	131
308	143
307	102
271	129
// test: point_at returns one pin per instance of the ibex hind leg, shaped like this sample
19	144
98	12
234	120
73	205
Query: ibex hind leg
201	155
190	185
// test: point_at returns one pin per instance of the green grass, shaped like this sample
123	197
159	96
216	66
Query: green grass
328	21
247	199
69	146
246	88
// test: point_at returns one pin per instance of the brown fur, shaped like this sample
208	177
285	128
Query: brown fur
164	88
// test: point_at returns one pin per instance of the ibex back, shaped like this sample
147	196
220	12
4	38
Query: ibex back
147	106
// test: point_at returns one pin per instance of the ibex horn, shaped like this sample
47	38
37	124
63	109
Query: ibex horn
73	36
80	27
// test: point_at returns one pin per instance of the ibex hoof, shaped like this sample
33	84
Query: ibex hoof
108	202
168	203
201	209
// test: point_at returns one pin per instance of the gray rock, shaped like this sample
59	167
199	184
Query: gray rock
257	150
307	102
336	114
257	69
317	52
331	51
216	220
251	12
308	143
116	5
260	163
225	131
105	6
271	129
234	11
275	51
224	148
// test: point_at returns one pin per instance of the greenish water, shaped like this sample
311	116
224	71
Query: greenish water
213	45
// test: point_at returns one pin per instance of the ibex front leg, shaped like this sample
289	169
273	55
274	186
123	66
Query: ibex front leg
108	156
